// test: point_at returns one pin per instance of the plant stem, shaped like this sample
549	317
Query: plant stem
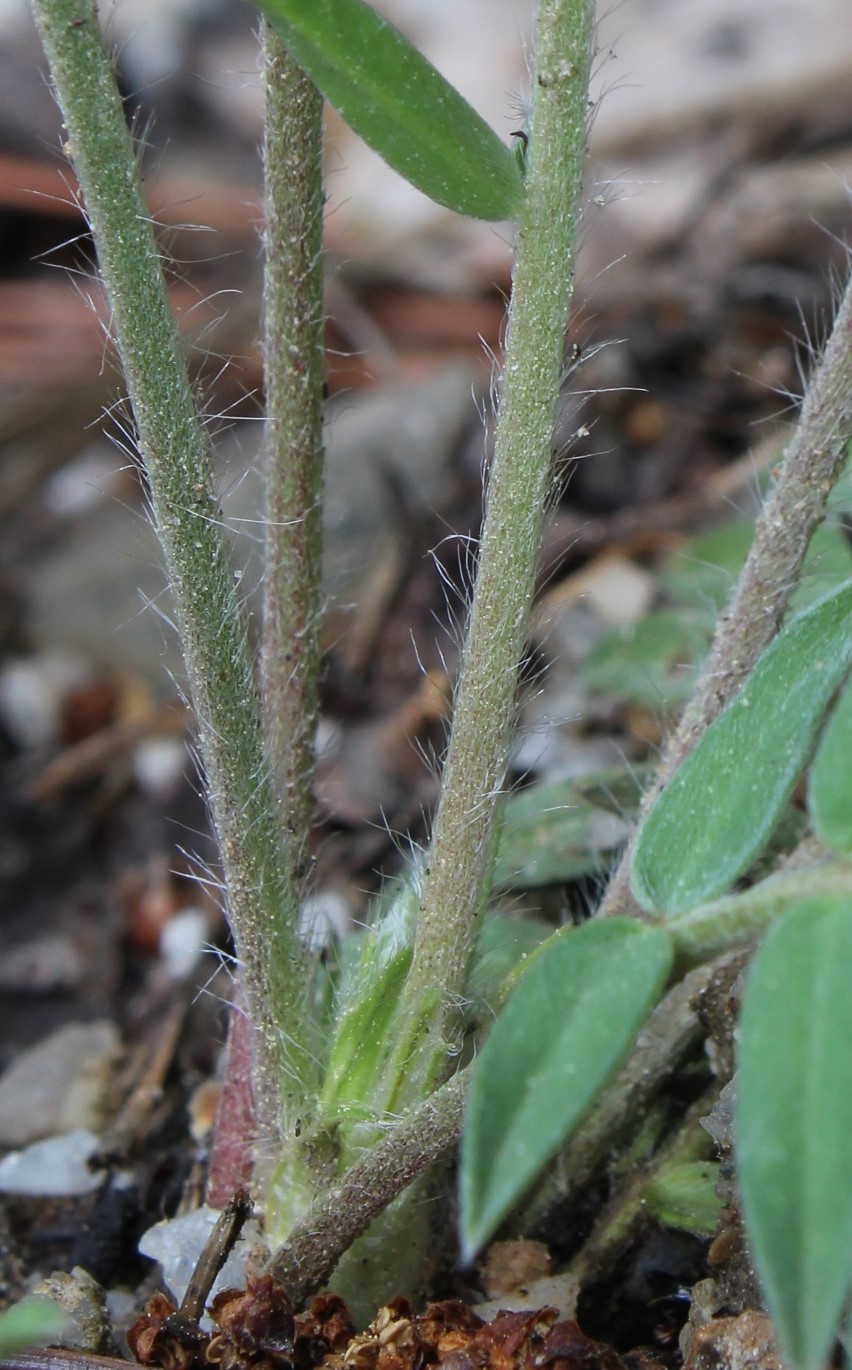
796	506
458	867
429	1129
739	919
626	1210
293	370
423	1135
172	443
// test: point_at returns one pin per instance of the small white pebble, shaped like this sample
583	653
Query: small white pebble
57	1165
32	690
176	1244
159	764
182	942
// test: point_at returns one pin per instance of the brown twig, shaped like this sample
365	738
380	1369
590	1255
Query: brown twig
217	1249
51	1359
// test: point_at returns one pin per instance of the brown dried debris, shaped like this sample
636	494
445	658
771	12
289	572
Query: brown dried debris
257	1330
161	1337
255	1326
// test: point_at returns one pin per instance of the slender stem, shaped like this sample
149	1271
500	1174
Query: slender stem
740	919
626	1210
173	445
458	867
796	506
214	1254
423	1135
294	367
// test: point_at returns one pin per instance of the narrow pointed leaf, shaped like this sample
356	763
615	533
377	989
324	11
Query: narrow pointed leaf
360	1042
793	1128
367	1000
830	794
400	105
562	1034
715	816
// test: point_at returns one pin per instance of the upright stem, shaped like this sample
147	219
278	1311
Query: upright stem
293	355
796	506
458	867
261	897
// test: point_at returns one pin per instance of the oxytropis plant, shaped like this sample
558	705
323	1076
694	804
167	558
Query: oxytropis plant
355	1065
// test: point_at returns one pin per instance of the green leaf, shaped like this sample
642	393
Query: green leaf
684	1196
830	792
827	564
361	1039
704	571
367	1000
398	103
840	499
502	944
564	1031
793	1123
551	833
653	662
716	814
32	1322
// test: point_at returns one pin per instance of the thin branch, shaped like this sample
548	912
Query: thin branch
422	1137
293	371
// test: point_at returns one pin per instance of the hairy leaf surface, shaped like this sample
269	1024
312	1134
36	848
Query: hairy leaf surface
563	1032
717	813
793	1129
830	795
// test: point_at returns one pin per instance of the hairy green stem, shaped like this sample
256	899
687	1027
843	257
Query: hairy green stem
416	1142
458	866
812	462
261	899
293	371
740	919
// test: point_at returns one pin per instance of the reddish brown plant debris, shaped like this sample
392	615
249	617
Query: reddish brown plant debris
255	1326
323	1330
160	1336
257	1329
